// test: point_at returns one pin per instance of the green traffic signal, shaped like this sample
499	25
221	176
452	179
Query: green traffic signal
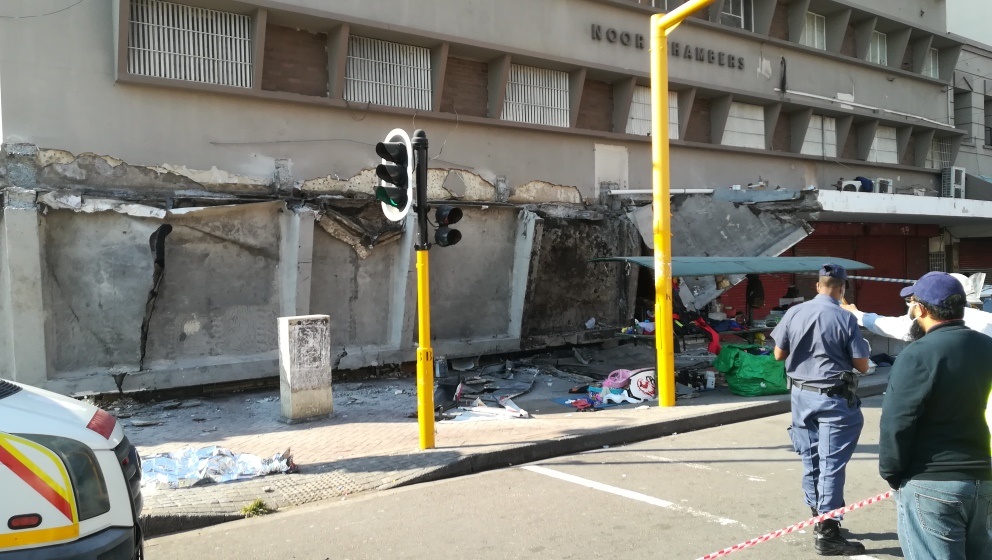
393	196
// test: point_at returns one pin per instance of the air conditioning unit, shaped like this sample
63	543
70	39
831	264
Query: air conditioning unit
952	182
848	186
883	186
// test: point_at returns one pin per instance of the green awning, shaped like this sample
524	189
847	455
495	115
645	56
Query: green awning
714	266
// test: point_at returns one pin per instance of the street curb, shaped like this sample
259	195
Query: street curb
155	525
168	523
548	449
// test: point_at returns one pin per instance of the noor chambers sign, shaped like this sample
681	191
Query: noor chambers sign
678	50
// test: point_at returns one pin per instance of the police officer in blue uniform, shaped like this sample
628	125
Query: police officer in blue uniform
822	345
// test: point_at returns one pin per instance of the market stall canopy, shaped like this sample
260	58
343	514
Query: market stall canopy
716	266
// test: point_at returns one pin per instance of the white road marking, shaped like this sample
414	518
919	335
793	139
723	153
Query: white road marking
630	494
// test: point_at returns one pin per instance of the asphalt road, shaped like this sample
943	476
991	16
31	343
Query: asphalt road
677	497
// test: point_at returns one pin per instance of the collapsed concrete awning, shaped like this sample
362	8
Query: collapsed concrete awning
727	223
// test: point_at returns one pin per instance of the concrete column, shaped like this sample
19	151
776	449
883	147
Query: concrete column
522	251
305	368
295	261
22	313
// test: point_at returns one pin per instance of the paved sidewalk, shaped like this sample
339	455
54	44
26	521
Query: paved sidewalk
370	443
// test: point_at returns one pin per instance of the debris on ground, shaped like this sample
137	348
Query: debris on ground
213	464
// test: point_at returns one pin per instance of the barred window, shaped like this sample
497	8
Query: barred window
536	96
639	121
884	148
939	155
938	261
821	137
878	50
169	40
745	126
814	31
385	73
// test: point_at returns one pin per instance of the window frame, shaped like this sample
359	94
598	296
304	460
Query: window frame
421	99
820	144
749	135
744	20
639	117
875	151
819	23
514	109
931	64
165	37
879	43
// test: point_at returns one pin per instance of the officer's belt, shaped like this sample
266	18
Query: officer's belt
831	391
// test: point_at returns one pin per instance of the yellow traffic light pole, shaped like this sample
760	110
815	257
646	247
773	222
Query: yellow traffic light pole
425	354
661	26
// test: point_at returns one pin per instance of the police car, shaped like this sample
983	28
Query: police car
70	479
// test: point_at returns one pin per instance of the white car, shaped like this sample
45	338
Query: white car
71	480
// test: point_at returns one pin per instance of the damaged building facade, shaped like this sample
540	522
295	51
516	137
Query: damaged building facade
177	175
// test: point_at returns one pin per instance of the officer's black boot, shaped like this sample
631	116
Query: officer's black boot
829	541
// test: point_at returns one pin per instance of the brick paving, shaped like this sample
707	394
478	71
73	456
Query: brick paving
371	443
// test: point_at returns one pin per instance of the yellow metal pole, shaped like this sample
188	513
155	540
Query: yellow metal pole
661	26
425	354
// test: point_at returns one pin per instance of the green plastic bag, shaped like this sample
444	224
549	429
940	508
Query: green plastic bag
749	375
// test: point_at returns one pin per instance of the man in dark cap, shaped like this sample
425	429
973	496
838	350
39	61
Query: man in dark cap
822	345
934	441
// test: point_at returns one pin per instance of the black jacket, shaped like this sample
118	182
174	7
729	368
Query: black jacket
933	420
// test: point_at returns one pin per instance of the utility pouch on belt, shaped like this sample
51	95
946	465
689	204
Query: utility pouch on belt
850	380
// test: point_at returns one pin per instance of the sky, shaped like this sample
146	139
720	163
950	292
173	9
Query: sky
971	18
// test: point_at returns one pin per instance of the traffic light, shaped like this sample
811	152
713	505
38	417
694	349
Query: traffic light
395	191
445	216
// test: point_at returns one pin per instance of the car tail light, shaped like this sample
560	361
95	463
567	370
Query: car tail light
102	423
29	521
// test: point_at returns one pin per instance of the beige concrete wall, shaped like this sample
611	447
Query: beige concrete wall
61	93
97	273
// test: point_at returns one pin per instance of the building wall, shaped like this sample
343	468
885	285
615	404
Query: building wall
531	194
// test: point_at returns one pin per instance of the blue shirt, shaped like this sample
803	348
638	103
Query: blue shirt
822	340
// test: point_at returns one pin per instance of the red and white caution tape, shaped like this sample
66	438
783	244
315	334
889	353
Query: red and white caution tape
796	527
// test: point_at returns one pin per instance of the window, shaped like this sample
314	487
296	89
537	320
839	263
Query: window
937	261
536	96
884	148
639	121
939	155
878	49
738	13
385	73
821	137
745	126
814	31
931	65
667	5
178	42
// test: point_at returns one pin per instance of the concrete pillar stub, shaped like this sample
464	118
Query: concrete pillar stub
23	320
305	368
